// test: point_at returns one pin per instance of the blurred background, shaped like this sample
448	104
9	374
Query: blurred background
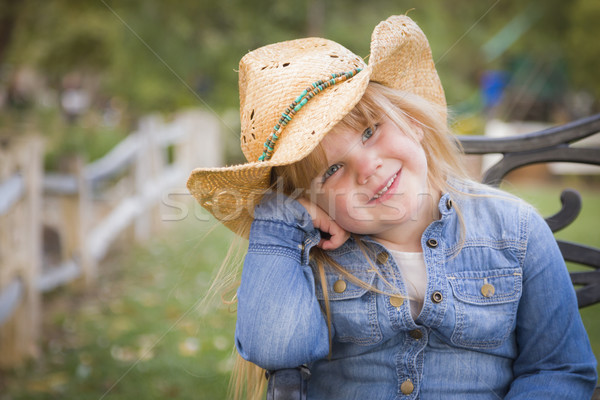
106	106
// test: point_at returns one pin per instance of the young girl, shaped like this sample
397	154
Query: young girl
372	257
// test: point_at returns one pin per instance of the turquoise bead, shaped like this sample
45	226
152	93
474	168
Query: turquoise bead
301	96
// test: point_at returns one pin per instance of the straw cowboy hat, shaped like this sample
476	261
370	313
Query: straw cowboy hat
293	93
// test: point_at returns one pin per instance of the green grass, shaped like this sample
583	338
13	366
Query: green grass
139	332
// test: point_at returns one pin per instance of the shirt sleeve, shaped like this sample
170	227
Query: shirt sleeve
555	359
279	320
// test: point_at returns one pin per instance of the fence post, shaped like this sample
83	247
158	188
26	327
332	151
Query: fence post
158	162
150	162
20	260
202	146
141	175
76	211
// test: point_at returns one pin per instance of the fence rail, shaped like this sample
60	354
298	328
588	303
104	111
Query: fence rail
56	227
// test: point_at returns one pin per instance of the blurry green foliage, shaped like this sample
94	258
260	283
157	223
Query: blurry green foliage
163	56
582	45
160	55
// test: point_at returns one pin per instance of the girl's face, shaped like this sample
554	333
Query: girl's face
376	179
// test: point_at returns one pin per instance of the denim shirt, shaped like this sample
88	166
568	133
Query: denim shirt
499	320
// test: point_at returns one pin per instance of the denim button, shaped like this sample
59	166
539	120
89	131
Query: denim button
407	387
382	257
449	203
416	334
396	301
488	290
432	243
339	286
437	297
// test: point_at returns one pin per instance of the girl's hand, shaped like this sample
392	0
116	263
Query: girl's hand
322	221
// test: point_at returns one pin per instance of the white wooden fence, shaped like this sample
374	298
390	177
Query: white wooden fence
20	245
57	227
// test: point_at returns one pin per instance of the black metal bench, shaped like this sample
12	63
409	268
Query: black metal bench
550	145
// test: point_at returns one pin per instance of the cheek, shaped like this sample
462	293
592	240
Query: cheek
419	161
341	207
412	154
334	204
350	208
325	201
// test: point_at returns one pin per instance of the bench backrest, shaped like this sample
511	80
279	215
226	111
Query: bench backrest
551	145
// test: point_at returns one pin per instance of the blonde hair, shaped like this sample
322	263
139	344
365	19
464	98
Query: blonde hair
444	161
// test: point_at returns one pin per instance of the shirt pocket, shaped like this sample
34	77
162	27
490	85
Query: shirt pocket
486	306
353	309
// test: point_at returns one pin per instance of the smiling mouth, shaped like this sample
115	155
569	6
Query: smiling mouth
386	187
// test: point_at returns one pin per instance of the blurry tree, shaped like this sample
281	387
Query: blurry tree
8	15
63	36
159	55
582	44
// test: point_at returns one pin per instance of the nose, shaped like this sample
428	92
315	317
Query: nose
366	165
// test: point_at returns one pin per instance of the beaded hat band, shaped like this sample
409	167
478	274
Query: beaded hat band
297	104
276	76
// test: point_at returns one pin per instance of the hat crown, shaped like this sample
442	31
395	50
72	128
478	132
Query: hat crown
272	77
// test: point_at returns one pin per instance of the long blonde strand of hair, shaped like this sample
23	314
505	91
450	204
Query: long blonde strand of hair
247	380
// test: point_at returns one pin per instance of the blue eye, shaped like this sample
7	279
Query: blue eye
331	170
367	133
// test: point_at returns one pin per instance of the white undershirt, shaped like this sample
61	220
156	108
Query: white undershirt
413	271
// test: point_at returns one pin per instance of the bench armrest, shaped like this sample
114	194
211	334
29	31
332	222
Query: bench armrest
288	384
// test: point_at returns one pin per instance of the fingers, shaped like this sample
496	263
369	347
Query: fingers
322	221
338	237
